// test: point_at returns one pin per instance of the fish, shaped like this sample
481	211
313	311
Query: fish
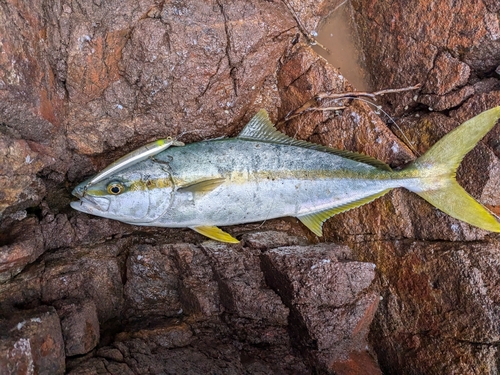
263	174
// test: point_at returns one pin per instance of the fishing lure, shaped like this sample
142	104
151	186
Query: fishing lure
142	153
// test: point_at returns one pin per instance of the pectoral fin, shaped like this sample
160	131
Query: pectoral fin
203	186
314	221
215	233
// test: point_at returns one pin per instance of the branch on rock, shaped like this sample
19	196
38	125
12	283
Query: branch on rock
314	103
309	36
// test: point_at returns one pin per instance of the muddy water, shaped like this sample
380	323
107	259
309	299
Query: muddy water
338	34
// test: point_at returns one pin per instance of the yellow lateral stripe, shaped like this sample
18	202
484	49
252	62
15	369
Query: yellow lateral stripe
210	183
157	183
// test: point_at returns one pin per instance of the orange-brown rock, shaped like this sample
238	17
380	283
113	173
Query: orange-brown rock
83	83
427	42
32	343
79	325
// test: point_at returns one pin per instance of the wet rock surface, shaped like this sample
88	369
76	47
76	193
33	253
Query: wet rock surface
82	84
299	276
422	283
80	326
31	343
438	308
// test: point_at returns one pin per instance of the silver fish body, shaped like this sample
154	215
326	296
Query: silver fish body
261	174
261	181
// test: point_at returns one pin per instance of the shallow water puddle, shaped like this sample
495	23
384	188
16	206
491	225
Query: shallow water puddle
338	34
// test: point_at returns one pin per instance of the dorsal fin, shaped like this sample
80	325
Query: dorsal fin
260	128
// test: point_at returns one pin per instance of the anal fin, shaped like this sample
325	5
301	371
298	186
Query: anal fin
314	221
215	233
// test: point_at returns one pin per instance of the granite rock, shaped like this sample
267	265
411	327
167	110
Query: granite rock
23	245
334	320
83	83
80	326
31	343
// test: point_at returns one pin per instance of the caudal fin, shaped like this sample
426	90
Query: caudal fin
438	166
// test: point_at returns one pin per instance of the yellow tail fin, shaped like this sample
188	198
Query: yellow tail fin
456	202
443	159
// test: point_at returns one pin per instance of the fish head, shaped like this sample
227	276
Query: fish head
128	197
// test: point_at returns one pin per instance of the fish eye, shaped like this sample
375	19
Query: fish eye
115	188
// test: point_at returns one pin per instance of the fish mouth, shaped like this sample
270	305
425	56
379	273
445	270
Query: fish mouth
91	205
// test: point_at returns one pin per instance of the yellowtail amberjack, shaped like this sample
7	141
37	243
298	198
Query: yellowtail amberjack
263	174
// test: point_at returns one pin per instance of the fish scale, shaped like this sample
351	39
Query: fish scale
256	178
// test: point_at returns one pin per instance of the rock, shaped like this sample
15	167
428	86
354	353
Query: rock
97	366
152	282
188	360
216	75
361	363
32	101
402	49
303	75
332	321
436	296
198	289
110	353
80	326
32	107
24	245
89	230
360	130
23	291
442	102
252	310
57	231
167	336
241	282
32	343
447	74
488	85
18	167
208	350
63	279
271	239
492	6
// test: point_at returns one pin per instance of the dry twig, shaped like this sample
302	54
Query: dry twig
313	104
310	38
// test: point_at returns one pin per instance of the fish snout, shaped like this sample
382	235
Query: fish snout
90	204
78	191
